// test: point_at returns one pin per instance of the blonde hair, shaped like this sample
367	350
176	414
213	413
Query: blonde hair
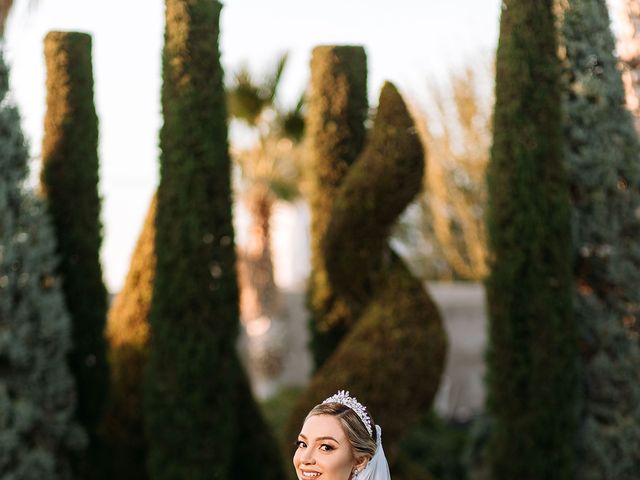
359	438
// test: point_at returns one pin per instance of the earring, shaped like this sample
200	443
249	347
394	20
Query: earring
355	474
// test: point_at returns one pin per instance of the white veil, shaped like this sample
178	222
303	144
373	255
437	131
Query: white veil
377	468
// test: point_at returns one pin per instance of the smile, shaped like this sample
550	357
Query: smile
310	474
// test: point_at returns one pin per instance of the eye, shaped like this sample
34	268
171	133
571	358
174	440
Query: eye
326	447
300	444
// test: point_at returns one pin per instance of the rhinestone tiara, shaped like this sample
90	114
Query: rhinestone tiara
343	398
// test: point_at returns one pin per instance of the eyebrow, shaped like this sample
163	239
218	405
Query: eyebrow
321	438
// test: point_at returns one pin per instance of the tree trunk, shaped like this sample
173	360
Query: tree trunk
259	295
260	306
629	48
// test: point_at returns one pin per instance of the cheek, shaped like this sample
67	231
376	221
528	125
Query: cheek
341	465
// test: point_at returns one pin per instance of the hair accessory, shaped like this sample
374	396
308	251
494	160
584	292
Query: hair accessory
343	398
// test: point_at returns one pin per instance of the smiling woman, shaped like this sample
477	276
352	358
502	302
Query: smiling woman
339	441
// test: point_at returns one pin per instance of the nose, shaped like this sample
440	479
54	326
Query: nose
307	456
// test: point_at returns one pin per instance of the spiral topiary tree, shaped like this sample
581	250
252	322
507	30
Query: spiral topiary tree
398	335
602	150
128	335
337	108
532	355
38	432
194	384
69	181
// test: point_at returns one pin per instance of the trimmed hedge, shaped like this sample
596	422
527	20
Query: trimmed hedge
194	384
398	336
69	181
532	356
337	109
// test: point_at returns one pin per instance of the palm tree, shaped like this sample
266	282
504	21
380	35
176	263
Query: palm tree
268	171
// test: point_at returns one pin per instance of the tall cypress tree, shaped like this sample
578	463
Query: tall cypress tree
532	377
38	433
603	155
69	180
337	109
194	384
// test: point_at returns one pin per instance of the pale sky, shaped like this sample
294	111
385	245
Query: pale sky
407	42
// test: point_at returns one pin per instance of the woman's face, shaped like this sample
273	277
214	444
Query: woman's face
323	450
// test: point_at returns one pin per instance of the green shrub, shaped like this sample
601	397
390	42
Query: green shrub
38	432
602	152
437	445
199	416
69	181
337	108
398	335
532	354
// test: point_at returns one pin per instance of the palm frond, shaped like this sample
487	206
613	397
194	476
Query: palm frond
244	97
273	81
290	123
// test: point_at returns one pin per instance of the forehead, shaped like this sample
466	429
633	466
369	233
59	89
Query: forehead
323	426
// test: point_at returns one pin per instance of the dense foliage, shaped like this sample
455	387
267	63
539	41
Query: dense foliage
38	432
398	335
197	403
336	111
603	153
532	357
69	180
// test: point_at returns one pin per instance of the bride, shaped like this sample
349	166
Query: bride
339	441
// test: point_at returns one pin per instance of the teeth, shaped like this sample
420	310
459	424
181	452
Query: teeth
310	474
